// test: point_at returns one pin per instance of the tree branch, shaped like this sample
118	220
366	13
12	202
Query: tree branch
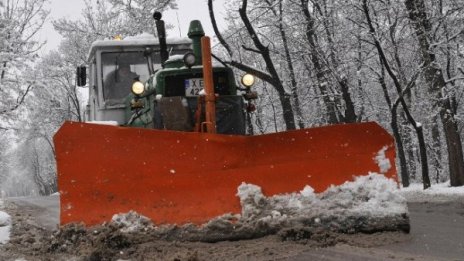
216	30
19	100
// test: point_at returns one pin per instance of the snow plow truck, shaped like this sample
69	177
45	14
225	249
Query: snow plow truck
165	136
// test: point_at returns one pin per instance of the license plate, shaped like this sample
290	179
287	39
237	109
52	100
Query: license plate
193	86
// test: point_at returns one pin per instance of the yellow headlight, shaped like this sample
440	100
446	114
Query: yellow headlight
248	80
138	88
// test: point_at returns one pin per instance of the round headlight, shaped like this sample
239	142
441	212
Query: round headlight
138	88
189	59
248	80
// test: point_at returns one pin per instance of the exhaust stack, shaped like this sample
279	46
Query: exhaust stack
161	30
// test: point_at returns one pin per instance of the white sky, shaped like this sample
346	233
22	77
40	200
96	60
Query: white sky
187	10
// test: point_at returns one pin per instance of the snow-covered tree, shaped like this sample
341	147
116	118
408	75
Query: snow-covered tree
107	19
20	21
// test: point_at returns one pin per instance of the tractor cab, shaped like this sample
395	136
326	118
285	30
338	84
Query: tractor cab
113	67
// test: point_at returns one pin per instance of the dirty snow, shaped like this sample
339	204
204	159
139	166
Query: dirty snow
367	204
5	225
131	221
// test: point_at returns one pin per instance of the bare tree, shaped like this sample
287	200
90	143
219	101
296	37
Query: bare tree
436	86
401	93
270	75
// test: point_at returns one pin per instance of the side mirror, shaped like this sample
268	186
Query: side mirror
81	76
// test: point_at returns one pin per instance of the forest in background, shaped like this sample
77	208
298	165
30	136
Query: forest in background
320	62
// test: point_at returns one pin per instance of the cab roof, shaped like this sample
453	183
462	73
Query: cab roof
143	40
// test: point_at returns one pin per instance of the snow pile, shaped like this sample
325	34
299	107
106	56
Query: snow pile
131	221
436	193
5	225
368	204
372	196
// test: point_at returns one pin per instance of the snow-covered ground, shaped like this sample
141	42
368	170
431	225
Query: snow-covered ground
441	192
5	225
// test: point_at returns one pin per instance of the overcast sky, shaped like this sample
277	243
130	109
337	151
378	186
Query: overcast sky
187	10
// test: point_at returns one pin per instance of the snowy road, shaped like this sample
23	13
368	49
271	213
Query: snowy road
436	233
45	209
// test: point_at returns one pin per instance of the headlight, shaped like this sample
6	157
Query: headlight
248	80
138	88
189	59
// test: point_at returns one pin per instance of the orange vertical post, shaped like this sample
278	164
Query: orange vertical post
209	87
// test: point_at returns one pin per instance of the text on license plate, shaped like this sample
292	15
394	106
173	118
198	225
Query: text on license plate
193	86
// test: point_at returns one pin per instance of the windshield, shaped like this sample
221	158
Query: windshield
119	70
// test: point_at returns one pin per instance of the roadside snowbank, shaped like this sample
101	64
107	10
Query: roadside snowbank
436	193
5	225
368	204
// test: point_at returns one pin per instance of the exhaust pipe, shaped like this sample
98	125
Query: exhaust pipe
161	30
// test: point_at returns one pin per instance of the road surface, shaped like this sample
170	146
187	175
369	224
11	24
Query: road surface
437	233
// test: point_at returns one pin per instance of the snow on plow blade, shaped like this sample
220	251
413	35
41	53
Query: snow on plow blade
184	177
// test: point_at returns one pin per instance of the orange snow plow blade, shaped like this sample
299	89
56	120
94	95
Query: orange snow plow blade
185	177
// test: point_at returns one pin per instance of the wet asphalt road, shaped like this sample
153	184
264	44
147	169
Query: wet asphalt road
437	233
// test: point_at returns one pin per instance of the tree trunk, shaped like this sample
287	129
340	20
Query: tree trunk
401	92
435	80
350	114
400	147
396	133
436	143
322	79
289	118
299	113
285	100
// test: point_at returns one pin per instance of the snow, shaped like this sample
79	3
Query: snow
382	161
440	192
368	202
175	57
5	225
371	195
140	40
110	123
144	35
131	221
